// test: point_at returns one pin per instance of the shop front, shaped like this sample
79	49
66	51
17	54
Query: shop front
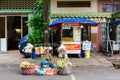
13	14
71	38
12	28
72	31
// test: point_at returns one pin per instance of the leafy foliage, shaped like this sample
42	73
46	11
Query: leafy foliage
36	21
36	37
37	24
38	8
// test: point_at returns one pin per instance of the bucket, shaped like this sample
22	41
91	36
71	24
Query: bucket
87	54
82	53
34	55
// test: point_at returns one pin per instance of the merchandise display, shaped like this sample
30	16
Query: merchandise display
47	66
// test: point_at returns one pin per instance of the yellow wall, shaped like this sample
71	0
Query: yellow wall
54	8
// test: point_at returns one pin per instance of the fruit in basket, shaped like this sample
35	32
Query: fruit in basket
60	63
25	64
32	64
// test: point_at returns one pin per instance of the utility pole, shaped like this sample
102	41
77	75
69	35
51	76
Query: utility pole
45	6
46	15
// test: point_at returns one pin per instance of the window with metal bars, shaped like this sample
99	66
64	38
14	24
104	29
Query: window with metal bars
61	4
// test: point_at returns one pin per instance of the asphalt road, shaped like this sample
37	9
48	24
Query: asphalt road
12	72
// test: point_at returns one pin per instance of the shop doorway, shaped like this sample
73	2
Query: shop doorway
86	33
16	29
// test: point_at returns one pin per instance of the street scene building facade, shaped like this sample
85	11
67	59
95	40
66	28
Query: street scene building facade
14	13
96	10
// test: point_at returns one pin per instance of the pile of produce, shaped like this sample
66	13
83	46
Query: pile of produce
26	64
64	67
28	68
63	63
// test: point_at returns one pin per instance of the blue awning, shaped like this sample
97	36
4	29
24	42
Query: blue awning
82	21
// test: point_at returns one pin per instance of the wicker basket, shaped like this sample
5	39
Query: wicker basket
64	70
28	70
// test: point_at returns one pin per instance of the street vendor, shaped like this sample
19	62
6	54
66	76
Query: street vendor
46	58
62	52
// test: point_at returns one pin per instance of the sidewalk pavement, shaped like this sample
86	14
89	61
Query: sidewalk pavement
96	59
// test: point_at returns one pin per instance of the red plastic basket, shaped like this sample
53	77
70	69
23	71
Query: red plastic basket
28	70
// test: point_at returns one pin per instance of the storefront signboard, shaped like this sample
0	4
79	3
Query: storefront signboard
86	45
98	19
72	47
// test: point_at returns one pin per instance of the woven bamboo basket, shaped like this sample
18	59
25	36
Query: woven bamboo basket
28	70
64	70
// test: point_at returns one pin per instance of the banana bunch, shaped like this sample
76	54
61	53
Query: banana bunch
62	63
26	64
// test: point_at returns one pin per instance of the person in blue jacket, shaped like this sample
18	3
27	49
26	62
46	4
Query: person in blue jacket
46	59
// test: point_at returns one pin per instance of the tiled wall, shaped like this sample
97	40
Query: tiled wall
16	4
